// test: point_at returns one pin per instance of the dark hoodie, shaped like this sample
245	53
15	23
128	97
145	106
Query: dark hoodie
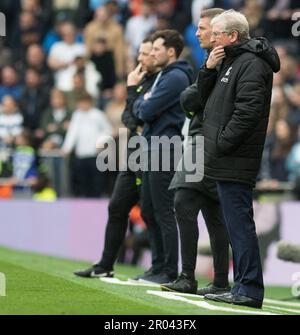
162	113
237	111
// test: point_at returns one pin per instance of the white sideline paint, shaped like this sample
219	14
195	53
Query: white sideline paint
205	305
264	306
289	310
127	283
283	303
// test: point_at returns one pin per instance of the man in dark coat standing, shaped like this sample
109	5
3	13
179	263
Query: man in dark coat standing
235	124
200	193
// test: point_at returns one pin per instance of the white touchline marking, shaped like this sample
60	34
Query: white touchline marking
205	305
264	306
126	283
282	303
297	311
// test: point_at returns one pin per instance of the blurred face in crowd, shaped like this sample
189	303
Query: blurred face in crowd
203	33
78	81
31	4
27	20
165	7
32	78
146	9
80	62
219	37
102	14
162	55
68	33
84	105
9	105
22	140
145	58
35	55
9	76
252	7
57	99
120	92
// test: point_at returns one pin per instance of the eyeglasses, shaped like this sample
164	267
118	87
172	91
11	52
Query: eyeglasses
219	33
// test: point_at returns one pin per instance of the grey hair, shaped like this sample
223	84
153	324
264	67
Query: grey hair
233	21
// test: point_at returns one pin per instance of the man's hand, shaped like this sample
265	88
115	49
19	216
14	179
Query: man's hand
215	57
135	76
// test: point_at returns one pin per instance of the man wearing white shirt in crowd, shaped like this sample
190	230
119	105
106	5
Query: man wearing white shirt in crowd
139	26
62	56
87	125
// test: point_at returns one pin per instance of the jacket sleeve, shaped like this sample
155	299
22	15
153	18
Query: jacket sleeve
248	106
128	118
193	98
166	92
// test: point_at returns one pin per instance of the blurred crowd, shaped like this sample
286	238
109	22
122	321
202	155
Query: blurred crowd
63	80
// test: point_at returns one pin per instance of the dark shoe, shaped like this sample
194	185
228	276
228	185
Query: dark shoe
143	276
96	271
241	300
225	297
182	284
212	289
161	278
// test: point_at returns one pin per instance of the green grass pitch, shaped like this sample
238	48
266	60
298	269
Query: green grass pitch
37	284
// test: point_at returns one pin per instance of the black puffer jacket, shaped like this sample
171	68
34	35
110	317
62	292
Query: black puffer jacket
194	98
237	111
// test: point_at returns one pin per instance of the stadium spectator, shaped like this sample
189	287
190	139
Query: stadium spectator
139	26
43	190
104	26
78	90
116	107
282	144
36	59
24	163
30	31
91	76
41	10
179	19
87	125
55	34
10	83
34	99
11	121
105	65
62	56
253	10
55	121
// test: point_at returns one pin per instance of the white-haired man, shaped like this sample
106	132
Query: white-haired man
235	124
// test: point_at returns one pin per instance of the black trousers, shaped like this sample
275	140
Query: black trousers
89	182
158	213
125	195
188	203
236	201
